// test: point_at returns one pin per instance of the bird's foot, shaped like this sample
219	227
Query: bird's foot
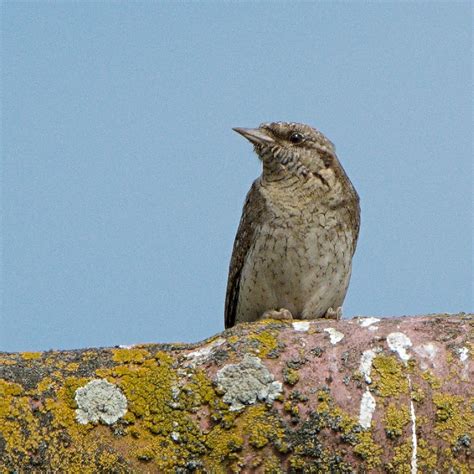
280	314
334	314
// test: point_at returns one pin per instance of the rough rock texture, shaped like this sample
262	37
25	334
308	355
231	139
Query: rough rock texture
360	395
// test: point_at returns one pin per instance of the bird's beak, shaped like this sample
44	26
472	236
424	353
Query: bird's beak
257	136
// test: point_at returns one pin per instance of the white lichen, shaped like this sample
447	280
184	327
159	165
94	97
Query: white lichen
301	325
463	353
367	408
202	355
100	400
414	460
365	365
399	343
334	335
426	351
246	382
414	440
366	322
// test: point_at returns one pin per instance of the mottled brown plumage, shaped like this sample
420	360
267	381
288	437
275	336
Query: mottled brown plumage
293	250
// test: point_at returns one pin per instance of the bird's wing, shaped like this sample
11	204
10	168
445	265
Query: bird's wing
252	216
351	205
355	222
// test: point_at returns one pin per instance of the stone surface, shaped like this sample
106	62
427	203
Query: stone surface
391	395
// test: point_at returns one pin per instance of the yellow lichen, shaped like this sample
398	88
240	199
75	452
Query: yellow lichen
160	406
45	384
199	390
396	418
297	463
268	341
177	421
401	460
434	382
426	456
30	355
454	417
290	376
255	425
388	376
362	441
260	426
224	444
368	450
15	414
417	393
72	367
89	355
126	356
324	400
291	408
346	423
147	387
68	448
453	465
272	465
62	407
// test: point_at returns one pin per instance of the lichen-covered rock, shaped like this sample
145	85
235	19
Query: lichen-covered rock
100	400
246	382
361	395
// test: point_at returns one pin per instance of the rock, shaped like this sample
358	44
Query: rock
359	395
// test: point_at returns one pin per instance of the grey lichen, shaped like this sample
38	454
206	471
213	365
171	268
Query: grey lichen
100	400
246	382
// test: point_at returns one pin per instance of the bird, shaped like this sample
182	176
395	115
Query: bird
292	254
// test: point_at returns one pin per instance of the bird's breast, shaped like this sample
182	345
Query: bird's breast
289	262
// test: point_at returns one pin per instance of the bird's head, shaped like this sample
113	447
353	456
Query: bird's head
290	149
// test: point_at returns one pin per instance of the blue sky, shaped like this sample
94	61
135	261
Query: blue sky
123	183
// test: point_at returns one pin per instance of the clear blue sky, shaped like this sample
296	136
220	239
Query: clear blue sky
123	182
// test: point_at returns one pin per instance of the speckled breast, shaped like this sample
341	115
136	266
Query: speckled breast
297	262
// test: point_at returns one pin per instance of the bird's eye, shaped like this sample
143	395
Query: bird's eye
296	137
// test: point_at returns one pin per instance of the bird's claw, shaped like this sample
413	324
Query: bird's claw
280	314
334	314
